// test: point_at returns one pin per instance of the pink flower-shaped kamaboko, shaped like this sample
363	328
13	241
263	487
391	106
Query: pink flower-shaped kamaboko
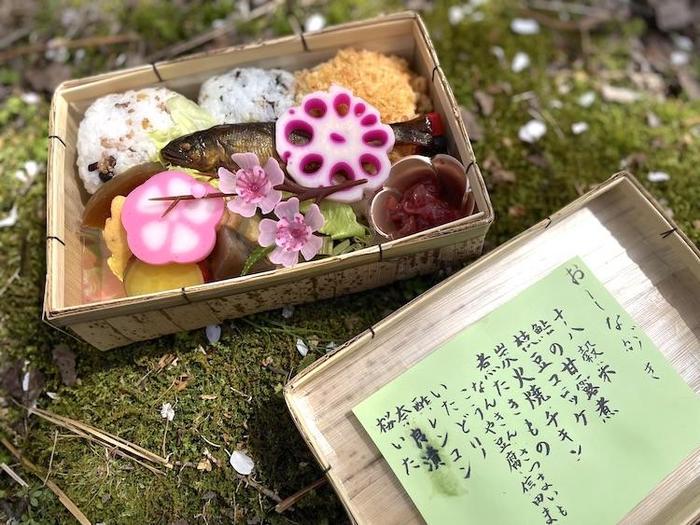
334	136
292	233
253	184
185	234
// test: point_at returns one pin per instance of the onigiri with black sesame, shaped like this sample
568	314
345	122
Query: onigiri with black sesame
248	95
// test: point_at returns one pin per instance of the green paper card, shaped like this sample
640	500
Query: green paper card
554	408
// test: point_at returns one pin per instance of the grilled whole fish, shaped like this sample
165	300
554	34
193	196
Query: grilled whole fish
209	149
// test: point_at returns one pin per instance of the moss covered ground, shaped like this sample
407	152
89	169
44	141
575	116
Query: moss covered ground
228	396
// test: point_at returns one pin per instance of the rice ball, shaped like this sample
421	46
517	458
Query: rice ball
114	133
248	95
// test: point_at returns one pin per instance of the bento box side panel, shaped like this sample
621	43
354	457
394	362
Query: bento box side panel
115	331
55	219
63	210
428	64
389	34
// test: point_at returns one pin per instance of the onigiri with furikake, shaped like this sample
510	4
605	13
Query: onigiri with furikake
248	94
114	133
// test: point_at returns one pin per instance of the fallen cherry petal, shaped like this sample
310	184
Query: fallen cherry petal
533	131
288	311
521	61
10	219
658	176
302	348
241	463
525	26
213	332
167	411
579	127
586	99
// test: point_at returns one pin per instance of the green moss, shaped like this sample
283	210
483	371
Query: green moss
230	398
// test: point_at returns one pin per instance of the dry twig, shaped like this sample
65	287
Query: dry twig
294	498
212	34
6	468
121	446
587	23
53	451
65	500
262	489
92	41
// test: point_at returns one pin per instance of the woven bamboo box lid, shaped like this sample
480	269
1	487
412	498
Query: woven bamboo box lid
646	263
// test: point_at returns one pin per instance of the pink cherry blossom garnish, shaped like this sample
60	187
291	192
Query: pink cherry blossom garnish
253	184
344	140
292	233
185	234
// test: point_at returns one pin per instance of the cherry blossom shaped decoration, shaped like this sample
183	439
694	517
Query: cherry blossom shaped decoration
292	233
253	184
334	136
161	231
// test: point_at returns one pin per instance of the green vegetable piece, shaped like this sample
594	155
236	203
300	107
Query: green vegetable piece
340	221
188	118
256	255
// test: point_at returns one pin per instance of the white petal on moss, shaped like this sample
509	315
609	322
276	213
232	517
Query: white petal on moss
653	120
315	22
682	42
498	52
619	94
679	58
587	99
525	26
455	14
302	348
25	381
10	219
30	98
31	167
288	311
579	127
167	411
658	176
213	332
532	131
521	61
241	462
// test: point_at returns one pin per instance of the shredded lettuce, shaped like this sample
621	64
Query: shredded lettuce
187	116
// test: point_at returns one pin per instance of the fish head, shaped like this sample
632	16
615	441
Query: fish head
197	151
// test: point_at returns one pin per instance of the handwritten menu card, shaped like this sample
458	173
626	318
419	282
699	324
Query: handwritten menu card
554	408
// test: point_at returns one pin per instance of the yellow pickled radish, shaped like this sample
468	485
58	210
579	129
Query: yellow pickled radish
115	239
142	278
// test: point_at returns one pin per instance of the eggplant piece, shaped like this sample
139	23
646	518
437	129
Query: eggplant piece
233	246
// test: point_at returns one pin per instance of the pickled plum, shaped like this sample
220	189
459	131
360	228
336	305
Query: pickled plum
422	206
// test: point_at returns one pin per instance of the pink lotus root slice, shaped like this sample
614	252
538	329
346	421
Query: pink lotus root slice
345	140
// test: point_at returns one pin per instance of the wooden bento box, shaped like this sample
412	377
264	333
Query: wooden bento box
650	267
117	322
